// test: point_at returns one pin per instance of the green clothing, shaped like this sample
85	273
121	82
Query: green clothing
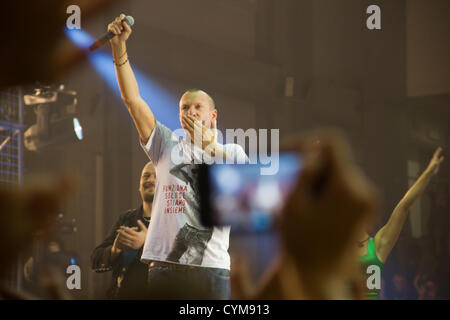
371	268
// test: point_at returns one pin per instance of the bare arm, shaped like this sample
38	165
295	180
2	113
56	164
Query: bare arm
387	236
140	112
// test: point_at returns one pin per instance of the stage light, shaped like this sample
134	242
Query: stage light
55	118
60	131
79	37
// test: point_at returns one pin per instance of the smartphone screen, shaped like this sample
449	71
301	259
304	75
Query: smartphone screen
241	197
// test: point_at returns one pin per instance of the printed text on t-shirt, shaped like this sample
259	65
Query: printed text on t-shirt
174	195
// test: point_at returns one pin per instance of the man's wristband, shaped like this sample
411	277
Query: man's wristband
121	56
121	64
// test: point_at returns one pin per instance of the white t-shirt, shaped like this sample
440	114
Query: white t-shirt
175	233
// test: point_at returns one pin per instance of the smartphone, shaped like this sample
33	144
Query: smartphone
238	195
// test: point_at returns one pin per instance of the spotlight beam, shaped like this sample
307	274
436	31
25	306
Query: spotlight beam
164	105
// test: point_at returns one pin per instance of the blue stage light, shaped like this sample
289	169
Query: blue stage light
79	37
164	105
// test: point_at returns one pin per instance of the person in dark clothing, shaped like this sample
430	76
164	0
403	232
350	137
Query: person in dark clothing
122	249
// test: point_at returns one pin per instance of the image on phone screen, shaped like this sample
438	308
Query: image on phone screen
241	197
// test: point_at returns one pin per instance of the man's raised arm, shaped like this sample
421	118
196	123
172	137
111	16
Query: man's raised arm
139	110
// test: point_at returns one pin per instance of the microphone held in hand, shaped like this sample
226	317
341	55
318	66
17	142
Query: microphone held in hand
108	35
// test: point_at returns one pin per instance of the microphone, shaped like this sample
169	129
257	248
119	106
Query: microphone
109	35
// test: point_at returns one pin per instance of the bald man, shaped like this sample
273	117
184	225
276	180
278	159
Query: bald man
186	260
122	249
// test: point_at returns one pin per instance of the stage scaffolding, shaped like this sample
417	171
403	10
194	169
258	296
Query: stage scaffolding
11	157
